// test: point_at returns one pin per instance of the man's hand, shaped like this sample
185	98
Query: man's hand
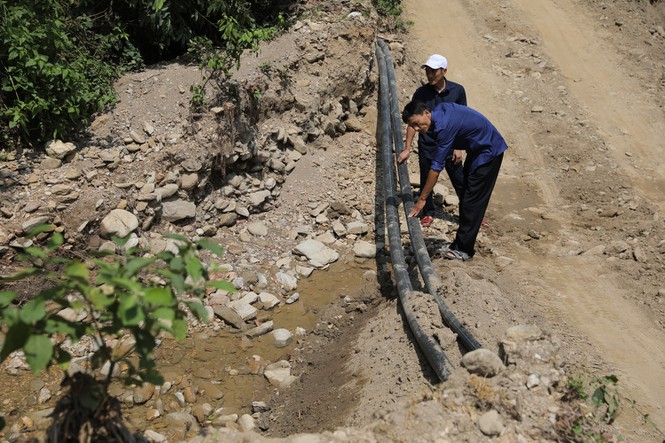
403	156
417	207
458	156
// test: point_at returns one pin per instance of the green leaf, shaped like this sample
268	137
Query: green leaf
198	310
164	313
33	311
58	325
99	299
78	270
129	311
598	396
136	264
159	296
17	335
195	268
55	241
211	246
179	329
6	297
41	229
38	352
182	238
221	284
36	252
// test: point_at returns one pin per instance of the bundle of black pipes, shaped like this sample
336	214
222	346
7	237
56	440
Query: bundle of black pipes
389	124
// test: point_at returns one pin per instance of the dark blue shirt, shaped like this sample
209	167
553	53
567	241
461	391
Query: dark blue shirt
467	129
452	93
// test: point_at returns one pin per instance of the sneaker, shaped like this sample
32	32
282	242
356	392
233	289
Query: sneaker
426	221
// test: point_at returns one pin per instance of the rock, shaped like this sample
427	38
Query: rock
279	374
260	330
532	381
118	222
258	229
490	423
267	301
282	337
50	163
184	424
596	250
44	395
189	181
357	228
189	394
482	362
154	437
522	333
31	224
228	219
353	124
58	149
246	423
178	209
292	298
143	393
288	282
230	316
318	254
244	310
364	249
137	137
152	414
451	200
617	247
260	406
167	190
256	199
327	238
202	412
305	271
338	228
537	109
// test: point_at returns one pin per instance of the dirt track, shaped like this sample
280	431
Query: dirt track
559	80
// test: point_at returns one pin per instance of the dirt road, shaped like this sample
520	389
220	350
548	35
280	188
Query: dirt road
574	88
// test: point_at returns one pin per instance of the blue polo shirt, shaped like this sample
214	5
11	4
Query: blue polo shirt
452	93
467	129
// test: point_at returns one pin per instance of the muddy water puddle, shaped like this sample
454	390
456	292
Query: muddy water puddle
212	365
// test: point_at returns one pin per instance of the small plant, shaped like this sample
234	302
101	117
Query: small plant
606	396
218	63
127	302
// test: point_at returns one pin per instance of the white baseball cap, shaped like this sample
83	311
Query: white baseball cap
436	61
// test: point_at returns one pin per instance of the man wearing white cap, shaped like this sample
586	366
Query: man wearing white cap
437	90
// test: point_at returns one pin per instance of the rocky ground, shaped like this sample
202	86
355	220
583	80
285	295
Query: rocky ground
282	175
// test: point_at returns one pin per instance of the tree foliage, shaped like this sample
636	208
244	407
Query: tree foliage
59	58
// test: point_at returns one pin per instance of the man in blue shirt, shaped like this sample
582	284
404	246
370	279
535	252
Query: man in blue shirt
437	90
459	127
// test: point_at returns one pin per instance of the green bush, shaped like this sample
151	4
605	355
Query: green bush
56	70
130	300
138	295
59	58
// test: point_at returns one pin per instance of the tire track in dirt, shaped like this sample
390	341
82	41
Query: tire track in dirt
589	300
628	119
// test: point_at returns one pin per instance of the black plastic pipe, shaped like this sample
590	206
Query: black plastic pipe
428	345
430	278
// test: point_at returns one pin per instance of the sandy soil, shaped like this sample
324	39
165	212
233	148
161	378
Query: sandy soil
594	69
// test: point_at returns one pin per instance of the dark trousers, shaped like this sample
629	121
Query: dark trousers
478	187
455	172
